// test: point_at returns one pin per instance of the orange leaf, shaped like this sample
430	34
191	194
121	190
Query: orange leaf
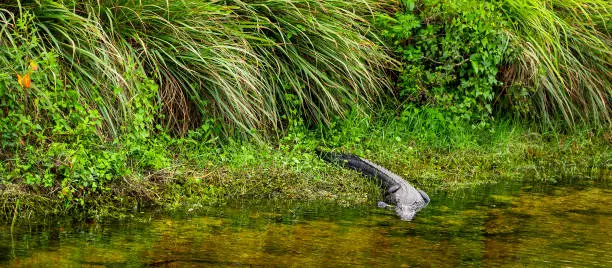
20	80
26	81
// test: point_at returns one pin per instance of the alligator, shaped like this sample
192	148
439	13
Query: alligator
406	199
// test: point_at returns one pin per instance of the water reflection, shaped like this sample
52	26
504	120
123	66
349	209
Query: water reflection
496	225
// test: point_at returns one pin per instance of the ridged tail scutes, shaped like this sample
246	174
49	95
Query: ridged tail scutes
349	161
352	162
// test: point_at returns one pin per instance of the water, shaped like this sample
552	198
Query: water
507	224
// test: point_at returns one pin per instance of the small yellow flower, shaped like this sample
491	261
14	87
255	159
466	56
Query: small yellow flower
33	65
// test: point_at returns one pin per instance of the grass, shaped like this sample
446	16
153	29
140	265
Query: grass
563	54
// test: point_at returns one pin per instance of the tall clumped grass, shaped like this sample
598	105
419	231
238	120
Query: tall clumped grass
247	63
565	56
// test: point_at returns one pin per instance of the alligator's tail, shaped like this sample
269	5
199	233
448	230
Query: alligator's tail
336	158
331	157
354	162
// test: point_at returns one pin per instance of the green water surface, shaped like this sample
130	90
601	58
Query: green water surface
506	224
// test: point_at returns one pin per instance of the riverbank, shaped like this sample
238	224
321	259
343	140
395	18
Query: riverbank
204	174
110	109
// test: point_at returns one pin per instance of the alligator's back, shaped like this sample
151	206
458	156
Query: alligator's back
354	162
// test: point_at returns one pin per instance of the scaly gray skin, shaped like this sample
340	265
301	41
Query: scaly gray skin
406	199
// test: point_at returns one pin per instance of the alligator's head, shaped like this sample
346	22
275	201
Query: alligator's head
408	201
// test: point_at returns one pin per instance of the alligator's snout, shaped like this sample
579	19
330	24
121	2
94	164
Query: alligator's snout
405	213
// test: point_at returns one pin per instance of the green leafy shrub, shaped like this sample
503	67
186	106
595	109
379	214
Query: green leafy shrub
450	51
543	60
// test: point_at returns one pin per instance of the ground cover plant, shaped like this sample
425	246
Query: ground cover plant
432	160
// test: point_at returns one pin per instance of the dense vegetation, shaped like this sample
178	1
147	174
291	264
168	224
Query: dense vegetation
160	102
543	60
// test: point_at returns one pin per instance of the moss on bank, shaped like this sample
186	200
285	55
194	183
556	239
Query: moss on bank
288	169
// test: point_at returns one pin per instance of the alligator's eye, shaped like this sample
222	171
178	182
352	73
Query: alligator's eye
393	189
